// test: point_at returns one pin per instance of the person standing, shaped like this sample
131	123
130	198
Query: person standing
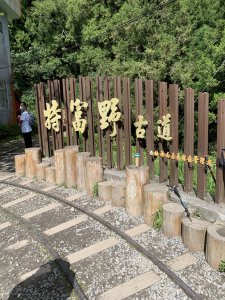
25	125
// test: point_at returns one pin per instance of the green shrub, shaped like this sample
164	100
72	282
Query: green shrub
95	189
157	219
9	132
222	266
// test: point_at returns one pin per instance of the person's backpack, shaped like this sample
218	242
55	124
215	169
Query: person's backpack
31	120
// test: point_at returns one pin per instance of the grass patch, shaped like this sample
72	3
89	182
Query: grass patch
157	219
95	189
222	266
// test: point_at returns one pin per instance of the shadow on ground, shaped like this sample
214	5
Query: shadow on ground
8	150
47	283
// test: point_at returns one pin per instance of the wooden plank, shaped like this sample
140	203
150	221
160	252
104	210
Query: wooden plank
174	146
66	109
75	134
90	117
83	98
108	131
203	123
127	121
40	138
139	111
130	288
45	131
188	137
149	90
99	98
59	135
220	172
163	176
68	112
119	137
51	96
182	262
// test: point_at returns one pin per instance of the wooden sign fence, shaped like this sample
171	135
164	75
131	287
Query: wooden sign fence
134	100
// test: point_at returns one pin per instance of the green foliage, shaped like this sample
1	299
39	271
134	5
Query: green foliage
95	189
222	266
182	43
157	219
9	132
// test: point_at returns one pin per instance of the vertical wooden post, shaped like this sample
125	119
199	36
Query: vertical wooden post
107	96
150	128
83	98
45	132
59	135
51	96
119	137
39	112
74	133
127	120
174	146
139	111
99	98
220	173
90	117
188	137
203	108
68	120
162	143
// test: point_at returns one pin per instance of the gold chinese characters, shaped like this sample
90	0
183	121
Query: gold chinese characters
164	128
52	115
196	159
140	132
79	123
108	111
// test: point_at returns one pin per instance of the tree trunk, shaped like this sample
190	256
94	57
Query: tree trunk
70	153
215	245
20	165
40	170
50	175
104	190
136	179
154	196
172	216
59	166
194	234
81	170
118	189
94	171
32	158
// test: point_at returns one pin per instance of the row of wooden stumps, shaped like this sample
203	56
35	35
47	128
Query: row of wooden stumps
68	167
141	198
136	194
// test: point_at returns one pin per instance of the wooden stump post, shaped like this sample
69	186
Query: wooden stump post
194	234
215	245
118	189
172	216
81	170
94	172
154	196
136	179
20	165
104	190
70	165
32	158
59	166
50	175
40	170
